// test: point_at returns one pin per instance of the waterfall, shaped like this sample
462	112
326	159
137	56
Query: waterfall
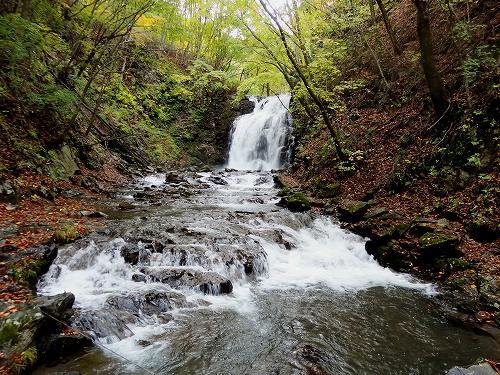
259	140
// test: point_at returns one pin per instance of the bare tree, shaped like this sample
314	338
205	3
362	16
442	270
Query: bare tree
388	27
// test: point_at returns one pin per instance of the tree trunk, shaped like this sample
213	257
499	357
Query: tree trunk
317	100
388	27
372	10
437	90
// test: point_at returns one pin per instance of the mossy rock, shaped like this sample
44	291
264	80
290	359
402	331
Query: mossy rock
483	230
296	202
421	226
328	190
63	163
351	209
284	192
375	212
439	244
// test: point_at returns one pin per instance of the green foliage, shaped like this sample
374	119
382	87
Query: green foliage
9	331
484	57
66	233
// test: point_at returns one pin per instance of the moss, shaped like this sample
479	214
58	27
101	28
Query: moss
296	202
438	242
456	264
351	209
66	233
329	190
284	192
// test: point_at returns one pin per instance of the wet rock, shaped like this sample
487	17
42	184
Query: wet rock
105	323
439	244
244	107
90	183
351	209
279	181
230	170
130	254
150	303
483	368
125	205
58	347
217	180
208	282
93	214
296	202
255	265
58	306
144	343
173	178
139	278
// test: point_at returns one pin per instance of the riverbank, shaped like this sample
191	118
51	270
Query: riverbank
37	216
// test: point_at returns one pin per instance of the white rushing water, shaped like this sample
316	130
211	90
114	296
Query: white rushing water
259	140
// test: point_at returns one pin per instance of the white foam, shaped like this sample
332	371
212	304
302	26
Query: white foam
329	256
152	180
259	138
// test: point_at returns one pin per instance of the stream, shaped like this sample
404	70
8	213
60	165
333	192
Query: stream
206	275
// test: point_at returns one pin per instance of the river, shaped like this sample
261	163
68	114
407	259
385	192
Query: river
208	276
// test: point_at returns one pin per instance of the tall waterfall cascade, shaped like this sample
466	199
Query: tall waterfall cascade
259	140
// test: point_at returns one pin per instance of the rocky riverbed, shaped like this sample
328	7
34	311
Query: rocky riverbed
203	272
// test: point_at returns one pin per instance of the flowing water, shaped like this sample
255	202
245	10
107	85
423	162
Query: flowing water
208	276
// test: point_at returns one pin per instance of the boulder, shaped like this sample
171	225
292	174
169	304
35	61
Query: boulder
150	303
244	107
90	183
483	230
130	254
208	282
58	306
421	226
63	164
351	210
217	180
8	191
296	202
375	212
58	347
435	244
105	323
173	178
326	190
125	205
93	214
